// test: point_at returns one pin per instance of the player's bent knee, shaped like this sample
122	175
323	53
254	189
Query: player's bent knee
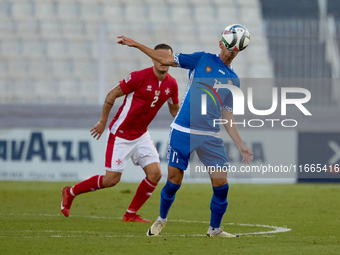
155	177
175	175
158	176
216	182
153	172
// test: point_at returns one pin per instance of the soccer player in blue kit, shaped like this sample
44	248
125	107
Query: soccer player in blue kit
193	130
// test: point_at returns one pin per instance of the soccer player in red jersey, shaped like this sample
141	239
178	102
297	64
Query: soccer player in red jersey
145	92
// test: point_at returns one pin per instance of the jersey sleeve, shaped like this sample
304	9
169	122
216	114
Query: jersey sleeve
130	83
228	102
188	61
173	99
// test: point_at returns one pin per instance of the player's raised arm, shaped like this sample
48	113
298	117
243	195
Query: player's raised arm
159	56
232	130
110	99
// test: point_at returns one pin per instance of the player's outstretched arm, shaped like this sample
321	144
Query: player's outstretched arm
159	56
247	154
99	128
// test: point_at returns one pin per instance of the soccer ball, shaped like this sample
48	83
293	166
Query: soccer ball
235	37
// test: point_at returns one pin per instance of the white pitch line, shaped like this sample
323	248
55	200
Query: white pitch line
274	230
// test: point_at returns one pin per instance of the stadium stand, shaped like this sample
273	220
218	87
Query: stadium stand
51	48
46	46
301	46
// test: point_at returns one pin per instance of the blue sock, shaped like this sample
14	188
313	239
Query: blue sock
168	194
218	205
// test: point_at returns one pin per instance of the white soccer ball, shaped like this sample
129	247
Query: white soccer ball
236	37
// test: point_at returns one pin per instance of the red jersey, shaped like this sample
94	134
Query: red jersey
145	95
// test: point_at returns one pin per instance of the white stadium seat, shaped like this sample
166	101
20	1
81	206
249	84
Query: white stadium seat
63	68
134	3
4	10
12	48
159	15
209	35
34	48
113	14
224	3
205	15
40	68
44	10
72	30
86	70
68	10
144	34
177	3
90	11
158	3
200	3
50	30
7	25
4	66
80	49
107	3
30	27
22	10
249	4
57	49
181	15
251	16
227	15
163	34
185	34
135	15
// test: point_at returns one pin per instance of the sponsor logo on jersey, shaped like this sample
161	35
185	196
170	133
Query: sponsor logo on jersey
128	78
221	71
149	88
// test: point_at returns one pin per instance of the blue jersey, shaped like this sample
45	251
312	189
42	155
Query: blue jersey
203	102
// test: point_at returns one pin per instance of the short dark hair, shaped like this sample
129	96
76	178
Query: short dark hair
163	46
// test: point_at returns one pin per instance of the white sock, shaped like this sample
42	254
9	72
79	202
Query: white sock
162	220
214	231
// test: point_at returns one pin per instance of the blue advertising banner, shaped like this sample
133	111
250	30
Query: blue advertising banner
318	157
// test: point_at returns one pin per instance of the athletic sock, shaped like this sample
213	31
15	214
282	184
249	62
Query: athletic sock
162	220
91	184
168	194
214	231
144	191
218	205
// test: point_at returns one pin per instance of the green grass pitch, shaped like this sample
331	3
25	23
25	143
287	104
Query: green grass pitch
31	221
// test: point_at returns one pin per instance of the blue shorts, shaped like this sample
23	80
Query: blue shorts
209	149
